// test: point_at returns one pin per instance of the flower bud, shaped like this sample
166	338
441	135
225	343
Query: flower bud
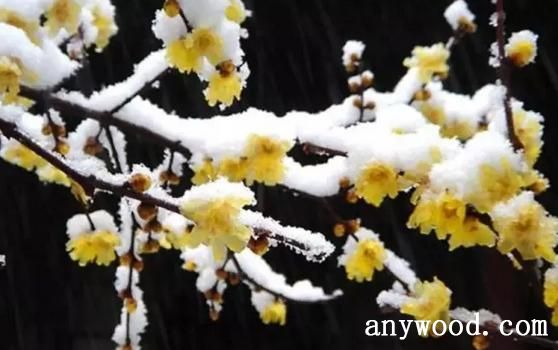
171	8
339	230
92	146
259	245
147	211
139	182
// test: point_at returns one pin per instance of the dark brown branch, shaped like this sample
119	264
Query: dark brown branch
113	150
88	182
310	148
72	110
504	73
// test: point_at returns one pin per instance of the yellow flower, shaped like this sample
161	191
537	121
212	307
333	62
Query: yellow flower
446	214
217	225
49	173
521	48
449	215
172	8
529	132
529	230
105	28
234	169
10	76
376	181
265	159
429	61
208	44
496	185
204	172
182	55
423	216
430	302
551	293
22	156
435	114
95	247
30	27
368	257
235	12
463	130
223	88
63	14
473	232
275	312
186	53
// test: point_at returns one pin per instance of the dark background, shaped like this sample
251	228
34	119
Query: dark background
49	302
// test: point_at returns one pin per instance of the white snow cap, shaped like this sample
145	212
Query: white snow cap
352	48
79	223
456	12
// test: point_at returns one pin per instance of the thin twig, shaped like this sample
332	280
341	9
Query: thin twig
504	73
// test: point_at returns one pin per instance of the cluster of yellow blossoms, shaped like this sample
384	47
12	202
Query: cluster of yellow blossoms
429	301
22	156
261	161
217	225
527	228
429	61
466	219
62	14
12	74
368	257
447	215
188	52
98	247
275	312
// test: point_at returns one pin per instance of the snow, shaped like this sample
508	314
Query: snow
352	50
456	12
260	272
79	224
219	189
314	246
45	65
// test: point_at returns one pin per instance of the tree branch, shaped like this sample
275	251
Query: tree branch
504	73
72	110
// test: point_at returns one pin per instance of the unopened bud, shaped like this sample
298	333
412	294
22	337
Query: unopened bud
169	177
139	182
138	265
339	230
125	259
357	102
92	146
147	211
258	245
234	279
150	247
171	8
131	305
344	182
351	197
62	147
221	274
